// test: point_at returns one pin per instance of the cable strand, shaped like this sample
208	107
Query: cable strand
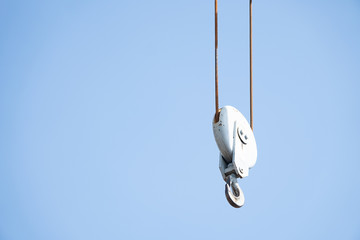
216	65
251	70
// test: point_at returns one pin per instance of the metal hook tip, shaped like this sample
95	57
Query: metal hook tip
235	201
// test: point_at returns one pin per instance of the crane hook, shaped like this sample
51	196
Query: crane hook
233	192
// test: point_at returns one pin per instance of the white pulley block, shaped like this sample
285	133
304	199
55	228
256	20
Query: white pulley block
238	152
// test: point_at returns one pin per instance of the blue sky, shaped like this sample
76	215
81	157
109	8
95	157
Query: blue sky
106	111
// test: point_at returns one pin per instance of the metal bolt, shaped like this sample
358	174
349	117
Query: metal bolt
244	138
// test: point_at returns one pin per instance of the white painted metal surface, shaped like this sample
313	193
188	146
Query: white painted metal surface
238	152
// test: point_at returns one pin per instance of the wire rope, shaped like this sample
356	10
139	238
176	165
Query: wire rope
216	65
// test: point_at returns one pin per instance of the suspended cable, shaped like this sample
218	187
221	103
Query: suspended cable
251	77
216	65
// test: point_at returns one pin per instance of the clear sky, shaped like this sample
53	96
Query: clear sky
106	110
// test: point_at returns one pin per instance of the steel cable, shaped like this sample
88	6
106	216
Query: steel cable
216	65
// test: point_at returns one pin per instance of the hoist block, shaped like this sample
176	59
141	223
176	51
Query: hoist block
238	153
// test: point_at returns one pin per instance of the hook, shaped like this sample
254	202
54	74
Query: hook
233	192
